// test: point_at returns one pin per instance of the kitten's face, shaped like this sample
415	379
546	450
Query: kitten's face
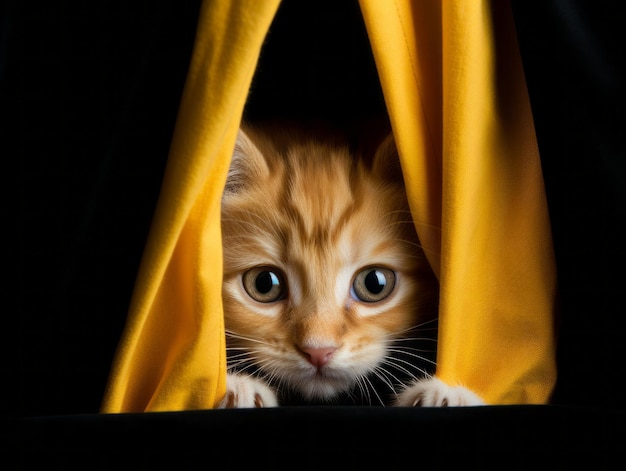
322	266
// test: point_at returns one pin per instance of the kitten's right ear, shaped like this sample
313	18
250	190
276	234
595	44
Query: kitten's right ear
387	161
247	165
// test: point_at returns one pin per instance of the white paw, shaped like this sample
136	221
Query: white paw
432	392
244	391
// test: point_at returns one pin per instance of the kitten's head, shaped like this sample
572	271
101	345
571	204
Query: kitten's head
322	266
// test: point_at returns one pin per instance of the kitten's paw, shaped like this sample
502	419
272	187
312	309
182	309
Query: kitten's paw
243	391
432	392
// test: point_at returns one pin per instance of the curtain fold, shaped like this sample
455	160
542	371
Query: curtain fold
455	93
172	354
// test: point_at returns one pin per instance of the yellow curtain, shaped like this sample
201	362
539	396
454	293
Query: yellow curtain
172	354
455	92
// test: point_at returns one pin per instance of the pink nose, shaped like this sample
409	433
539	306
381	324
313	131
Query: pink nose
318	357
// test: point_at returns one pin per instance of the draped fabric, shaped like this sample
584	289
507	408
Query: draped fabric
172	355
455	93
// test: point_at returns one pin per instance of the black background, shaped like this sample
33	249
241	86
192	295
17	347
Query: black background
573	54
89	93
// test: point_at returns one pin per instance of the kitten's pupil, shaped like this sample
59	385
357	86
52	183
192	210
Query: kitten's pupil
265	281
375	282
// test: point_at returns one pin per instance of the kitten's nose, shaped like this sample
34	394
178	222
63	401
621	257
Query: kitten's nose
318	357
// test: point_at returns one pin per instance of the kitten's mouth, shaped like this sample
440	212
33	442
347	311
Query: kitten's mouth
324	375
322	382
324	388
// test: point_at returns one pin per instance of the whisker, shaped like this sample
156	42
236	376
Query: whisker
381	374
415	328
234	335
249	356
398	362
398	366
383	218
413	339
414	255
236	362
365	378
270	372
384	375
407	350
421	372
364	390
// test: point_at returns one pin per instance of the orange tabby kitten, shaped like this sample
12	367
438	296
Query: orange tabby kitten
326	289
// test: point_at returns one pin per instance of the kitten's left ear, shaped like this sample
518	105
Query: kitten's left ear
387	161
247	164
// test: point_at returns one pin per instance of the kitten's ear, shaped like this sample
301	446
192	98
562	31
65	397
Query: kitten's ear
247	165
387	161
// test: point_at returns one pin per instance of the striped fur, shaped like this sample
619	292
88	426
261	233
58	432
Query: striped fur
317	214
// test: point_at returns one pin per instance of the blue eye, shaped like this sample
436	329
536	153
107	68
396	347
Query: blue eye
373	284
264	284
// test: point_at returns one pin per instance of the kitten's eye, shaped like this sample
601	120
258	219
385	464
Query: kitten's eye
374	284
264	284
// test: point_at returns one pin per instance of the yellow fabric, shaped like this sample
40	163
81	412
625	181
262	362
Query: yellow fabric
457	99
455	91
172	354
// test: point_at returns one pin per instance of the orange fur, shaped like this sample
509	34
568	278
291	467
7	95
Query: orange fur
317	214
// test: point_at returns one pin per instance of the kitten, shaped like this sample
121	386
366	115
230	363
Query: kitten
328	297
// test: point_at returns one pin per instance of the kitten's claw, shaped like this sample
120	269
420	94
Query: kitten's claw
432	392
244	391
